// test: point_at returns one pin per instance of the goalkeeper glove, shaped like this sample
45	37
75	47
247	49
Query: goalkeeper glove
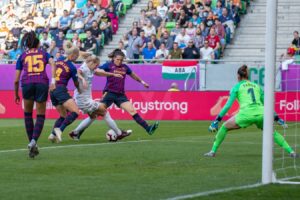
214	125
282	123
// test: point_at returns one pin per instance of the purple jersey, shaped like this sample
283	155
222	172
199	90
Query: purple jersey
33	63
114	84
64	71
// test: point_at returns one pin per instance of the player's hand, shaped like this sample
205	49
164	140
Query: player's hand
146	85
52	86
84	84
213	126
118	75
282	123
17	99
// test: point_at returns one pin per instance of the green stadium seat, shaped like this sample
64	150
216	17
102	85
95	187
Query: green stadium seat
82	36
127	3
213	4
297	59
70	36
170	25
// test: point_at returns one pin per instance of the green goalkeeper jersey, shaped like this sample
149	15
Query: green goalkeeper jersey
250	97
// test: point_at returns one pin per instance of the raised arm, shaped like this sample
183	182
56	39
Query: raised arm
138	79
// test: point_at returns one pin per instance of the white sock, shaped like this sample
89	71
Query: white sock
111	123
84	124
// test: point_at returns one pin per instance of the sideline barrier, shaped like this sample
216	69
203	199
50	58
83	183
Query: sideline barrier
167	105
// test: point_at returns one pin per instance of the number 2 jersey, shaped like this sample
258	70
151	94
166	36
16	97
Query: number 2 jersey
65	70
250	97
33	63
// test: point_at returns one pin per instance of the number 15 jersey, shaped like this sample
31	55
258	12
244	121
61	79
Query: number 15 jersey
33	63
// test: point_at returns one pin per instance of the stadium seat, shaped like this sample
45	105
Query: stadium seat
127	3
82	36
213	4
297	59
69	36
170	25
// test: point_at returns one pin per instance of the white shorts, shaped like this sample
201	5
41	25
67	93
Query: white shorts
87	106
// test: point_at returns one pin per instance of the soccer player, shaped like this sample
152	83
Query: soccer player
114	92
251	98
35	86
61	99
84	99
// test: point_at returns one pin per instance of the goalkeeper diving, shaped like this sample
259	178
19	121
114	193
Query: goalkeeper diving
250	97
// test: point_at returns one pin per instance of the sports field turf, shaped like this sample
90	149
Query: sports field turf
168	164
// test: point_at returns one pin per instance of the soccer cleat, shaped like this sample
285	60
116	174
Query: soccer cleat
123	135
58	134
33	149
152	128
213	126
294	155
52	137
74	136
210	154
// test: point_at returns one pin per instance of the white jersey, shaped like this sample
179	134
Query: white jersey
84	99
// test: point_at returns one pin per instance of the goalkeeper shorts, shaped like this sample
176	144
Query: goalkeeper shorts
244	120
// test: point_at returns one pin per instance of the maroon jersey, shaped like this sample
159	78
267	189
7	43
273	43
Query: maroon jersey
33	63
115	84
64	71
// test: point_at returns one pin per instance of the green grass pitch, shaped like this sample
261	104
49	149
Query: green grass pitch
168	164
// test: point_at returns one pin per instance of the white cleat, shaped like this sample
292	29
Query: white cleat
58	134
210	154
52	138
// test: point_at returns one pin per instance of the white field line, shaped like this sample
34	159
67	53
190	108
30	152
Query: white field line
206	193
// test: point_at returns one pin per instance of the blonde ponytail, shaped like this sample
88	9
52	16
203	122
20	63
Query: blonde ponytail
69	48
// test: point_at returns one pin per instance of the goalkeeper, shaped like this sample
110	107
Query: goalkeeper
250	97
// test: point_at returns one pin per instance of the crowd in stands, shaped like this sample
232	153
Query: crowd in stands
87	23
183	29
293	52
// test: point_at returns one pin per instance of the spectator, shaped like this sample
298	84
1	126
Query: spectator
227	20
96	32
105	26
149	52
206	52
220	32
149	8
144	39
191	52
87	8
188	8
15	52
183	19
199	39
121	47
210	20
135	25
89	20
174	11
45	39
167	40
16	30
161	29
155	19
176	30
89	45
196	20
124	39
162	53
162	10
175	52
191	30
59	40
214	42
154	41
40	22
64	22
149	29
204	29
10	40
218	9
73	8
182	39
29	26
53	49
76	40
174	88
155	3
77	25
104	3
3	32
296	42
80	3
143	19
52	23
134	45
114	20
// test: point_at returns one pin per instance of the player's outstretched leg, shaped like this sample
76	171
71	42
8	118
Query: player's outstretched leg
76	134
220	136
68	120
57	124
149	128
279	139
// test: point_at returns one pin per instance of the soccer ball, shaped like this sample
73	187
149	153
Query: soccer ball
111	136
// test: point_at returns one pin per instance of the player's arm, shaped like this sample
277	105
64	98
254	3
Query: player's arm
74	76
214	125
19	68
53	73
80	76
138	79
101	72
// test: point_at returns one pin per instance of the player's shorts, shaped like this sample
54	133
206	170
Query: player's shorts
87	106
109	98
244	120
35	91
60	95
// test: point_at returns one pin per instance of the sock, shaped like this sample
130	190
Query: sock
69	120
111	123
38	127
279	139
141	122
28	124
83	125
58	123
219	138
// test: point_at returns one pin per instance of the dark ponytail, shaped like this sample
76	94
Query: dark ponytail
243	72
29	41
116	52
